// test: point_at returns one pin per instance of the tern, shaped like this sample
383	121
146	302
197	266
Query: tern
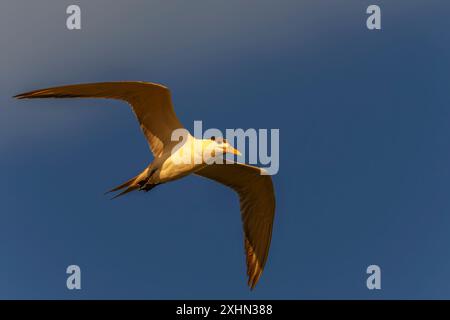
153	108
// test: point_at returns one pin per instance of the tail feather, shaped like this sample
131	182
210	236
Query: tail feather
134	183
129	189
123	185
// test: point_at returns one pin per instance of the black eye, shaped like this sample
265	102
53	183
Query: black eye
213	138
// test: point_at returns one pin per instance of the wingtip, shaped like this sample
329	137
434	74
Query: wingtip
25	95
252	281
33	94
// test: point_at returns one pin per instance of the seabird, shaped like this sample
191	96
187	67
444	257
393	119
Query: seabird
153	108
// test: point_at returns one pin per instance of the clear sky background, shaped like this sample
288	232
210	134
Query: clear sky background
364	119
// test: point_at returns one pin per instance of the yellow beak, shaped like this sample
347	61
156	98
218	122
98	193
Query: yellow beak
232	150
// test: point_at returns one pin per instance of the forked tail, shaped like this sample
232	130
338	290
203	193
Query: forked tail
136	183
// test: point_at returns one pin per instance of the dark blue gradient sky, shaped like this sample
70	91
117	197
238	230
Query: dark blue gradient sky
364	121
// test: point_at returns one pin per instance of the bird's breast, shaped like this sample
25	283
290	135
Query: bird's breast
179	164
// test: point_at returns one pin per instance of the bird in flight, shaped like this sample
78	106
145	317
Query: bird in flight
152	105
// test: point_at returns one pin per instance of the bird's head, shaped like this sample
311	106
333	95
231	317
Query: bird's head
218	146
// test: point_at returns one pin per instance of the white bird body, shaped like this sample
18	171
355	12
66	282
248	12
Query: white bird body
183	161
173	160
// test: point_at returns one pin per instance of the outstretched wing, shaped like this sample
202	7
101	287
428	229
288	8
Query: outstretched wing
257	200
150	102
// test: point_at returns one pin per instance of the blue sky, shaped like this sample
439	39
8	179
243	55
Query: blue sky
364	148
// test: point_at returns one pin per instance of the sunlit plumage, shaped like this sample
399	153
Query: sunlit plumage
153	108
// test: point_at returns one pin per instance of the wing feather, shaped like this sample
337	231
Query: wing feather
257	202
150	102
